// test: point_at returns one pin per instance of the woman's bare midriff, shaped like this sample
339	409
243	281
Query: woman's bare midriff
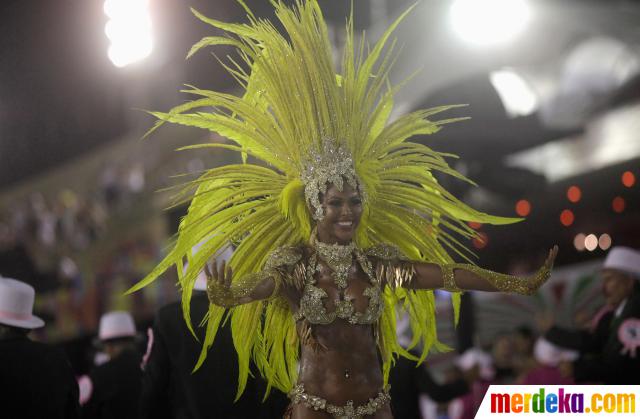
348	369
345	365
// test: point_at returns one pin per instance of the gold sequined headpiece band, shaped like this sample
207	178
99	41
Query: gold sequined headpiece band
332	164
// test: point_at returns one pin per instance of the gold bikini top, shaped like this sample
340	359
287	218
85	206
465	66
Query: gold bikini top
391	269
312	305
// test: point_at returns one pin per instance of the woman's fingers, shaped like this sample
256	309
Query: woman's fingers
213	272
221	277
229	276
220	273
226	278
207	272
552	256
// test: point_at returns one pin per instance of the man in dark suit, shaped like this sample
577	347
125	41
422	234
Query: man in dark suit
610	353
171	389
36	379
113	388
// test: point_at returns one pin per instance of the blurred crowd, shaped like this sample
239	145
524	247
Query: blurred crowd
80	251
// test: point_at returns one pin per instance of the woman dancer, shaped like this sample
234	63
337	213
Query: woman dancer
341	224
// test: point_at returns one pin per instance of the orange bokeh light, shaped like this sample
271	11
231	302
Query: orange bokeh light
481	240
628	179
574	194
523	207
474	225
618	204
567	217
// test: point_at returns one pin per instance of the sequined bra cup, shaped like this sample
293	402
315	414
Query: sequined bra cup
312	306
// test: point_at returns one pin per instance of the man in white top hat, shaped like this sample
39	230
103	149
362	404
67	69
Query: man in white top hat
36	379
112	389
611	353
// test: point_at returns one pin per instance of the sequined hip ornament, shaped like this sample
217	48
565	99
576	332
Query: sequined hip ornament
348	411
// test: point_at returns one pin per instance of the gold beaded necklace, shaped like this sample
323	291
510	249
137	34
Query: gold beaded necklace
337	257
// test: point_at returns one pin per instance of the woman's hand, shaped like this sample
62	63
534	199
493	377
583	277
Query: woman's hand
219	276
246	289
543	274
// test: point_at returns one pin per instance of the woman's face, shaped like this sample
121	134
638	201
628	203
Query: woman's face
342	212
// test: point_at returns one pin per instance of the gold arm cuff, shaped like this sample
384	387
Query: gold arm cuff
448	280
502	282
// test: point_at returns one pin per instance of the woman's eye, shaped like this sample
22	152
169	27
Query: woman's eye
335	203
356	201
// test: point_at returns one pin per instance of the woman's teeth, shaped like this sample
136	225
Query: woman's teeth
345	223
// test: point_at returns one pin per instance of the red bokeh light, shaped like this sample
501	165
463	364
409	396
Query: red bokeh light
481	240
523	208
474	225
567	217
618	204
628	179
574	194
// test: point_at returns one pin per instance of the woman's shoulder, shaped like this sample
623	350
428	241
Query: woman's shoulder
385	252
285	256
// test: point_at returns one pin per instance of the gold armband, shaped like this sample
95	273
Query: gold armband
502	282
448	281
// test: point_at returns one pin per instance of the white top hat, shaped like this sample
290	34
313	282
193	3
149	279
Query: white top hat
16	304
551	355
623	259
116	324
472	357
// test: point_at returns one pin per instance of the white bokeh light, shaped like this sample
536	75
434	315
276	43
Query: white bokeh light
128	30
518	98
121	9
486	22
591	242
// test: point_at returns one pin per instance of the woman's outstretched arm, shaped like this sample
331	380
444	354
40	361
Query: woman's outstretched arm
466	277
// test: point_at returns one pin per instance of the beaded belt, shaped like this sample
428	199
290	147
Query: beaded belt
348	411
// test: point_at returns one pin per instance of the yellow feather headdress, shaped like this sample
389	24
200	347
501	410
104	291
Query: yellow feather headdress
295	97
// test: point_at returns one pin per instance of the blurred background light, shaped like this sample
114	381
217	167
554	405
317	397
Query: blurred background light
608	140
517	95
474	225
578	242
604	241
481	240
628	179
128	30
574	194
489	21
618	204
523	207
567	217
591	242
122	9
